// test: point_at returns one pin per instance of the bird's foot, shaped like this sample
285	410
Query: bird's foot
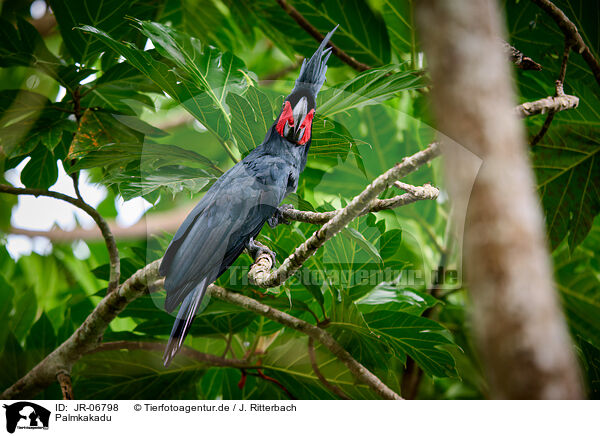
255	249
278	217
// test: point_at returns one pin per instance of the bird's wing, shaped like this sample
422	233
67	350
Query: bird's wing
236	211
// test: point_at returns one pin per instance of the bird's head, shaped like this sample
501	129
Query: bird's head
295	121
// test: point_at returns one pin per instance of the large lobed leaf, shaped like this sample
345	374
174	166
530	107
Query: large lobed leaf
200	79
368	88
567	165
106	14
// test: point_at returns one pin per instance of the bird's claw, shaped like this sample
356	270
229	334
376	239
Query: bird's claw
278	217
255	249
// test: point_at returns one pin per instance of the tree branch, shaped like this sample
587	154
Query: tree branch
361	373
519	59
559	92
111	245
546	105
312	31
426	192
260	274
210	359
315	366
570	31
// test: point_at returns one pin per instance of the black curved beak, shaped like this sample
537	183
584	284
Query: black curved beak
299	113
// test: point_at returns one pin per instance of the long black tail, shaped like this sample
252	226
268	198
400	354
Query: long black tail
183	322
312	72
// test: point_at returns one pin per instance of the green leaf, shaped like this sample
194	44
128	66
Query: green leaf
330	141
148	156
355	235
23	316
350	329
200	80
567	165
21	138
119	89
288	362
392	298
97	128
416	336
213	323
25	47
128	268
52	137
206	20
578	282
362	33
17	104
368	88
592	368
351	261
170	179
27	118
41	340
399	18
217	319
211	384
13	362
251	118
107	14
7	293
136	374
41	171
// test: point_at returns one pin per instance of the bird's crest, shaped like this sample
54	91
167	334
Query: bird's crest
312	72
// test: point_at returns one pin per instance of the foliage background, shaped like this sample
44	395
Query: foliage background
228	64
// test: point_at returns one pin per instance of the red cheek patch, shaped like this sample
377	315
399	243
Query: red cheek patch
286	117
307	125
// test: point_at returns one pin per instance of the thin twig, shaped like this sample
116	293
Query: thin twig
565	60
111	245
312	31
227	343
260	273
559	92
313	362
276	382
75	178
570	31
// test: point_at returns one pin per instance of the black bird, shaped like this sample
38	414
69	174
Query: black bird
235	208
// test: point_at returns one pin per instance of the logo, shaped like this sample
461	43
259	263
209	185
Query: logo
26	415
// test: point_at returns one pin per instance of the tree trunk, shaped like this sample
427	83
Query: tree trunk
521	332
